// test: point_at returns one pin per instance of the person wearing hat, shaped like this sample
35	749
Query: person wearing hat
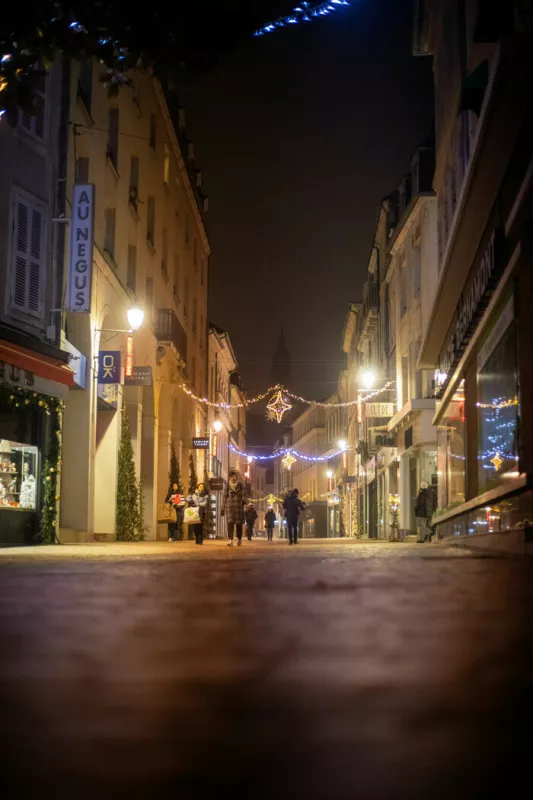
424	508
250	516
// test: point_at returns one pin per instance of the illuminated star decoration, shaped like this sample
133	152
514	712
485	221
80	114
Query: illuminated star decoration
271	499
497	462
278	406
303	12
288	460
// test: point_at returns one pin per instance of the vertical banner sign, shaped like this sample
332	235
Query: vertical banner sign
109	366
129	356
80	261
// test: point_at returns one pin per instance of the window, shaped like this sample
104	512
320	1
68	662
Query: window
19	476
150	220
193	371
28	255
194	315
164	251
134	181
109	232
153	129
497	403
82	170
85	81
166	167
416	270
403	289
132	267
34	124
149	298
451	455
176	276
186	298
112	137
201	331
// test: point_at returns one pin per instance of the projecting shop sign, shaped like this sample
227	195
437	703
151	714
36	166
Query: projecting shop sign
80	263
140	376
379	410
200	443
109	366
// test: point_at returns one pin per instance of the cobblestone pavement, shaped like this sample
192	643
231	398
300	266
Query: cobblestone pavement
326	670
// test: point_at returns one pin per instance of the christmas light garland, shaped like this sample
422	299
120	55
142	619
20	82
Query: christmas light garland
303	12
274	391
283	453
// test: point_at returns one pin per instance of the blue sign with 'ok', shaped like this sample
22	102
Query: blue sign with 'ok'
109	366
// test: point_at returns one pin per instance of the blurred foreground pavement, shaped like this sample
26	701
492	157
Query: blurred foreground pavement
327	670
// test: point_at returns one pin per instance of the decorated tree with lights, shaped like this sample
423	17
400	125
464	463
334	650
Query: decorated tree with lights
193	483
175	477
127	515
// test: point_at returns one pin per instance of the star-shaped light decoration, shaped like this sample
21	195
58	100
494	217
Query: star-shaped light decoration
288	460
496	462
271	499
278	406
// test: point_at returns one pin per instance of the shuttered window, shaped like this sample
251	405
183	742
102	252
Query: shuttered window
112	137
34	123
28	261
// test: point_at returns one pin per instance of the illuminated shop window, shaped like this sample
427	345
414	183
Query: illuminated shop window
18	476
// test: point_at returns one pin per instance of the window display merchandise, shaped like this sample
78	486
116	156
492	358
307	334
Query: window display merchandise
18	468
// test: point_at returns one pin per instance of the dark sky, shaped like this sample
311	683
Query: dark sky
299	134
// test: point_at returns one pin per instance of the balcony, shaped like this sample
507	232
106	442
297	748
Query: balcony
169	331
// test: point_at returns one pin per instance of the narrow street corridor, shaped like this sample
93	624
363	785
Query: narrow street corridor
335	669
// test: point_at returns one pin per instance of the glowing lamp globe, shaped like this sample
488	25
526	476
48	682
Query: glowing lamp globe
329	473
217	426
343	444
368	378
135	317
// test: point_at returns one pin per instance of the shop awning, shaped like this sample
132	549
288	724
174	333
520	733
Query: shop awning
42	365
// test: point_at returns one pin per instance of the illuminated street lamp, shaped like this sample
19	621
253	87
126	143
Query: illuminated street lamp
217	426
367	378
343	444
329	474
135	317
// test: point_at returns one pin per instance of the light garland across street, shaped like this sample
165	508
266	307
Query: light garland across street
303	12
285	452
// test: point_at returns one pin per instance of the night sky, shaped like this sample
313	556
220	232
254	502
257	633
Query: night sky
299	134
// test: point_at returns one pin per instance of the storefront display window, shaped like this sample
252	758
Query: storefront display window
451	457
498	405
18	471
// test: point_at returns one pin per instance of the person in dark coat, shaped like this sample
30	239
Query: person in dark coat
233	506
424	509
177	501
270	521
293	505
250	516
199	498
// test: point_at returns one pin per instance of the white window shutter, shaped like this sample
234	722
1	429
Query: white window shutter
28	256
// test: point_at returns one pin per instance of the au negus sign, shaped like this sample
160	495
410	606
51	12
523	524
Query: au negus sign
80	263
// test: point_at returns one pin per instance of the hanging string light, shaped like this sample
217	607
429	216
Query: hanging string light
274	391
303	12
288	460
282	453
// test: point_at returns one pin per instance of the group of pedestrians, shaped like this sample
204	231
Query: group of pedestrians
235	508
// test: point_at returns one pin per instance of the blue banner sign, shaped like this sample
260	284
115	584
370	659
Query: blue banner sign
109	366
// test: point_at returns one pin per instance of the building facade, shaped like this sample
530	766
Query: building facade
479	329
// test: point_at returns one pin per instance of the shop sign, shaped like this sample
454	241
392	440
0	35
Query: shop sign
216	484
80	264
109	366
77	362
128	372
140	376
373	410
108	394
471	301
15	375
200	443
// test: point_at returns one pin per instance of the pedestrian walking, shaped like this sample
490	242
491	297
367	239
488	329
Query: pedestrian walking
233	506
424	508
293	505
250	516
199	499
270	521
177	501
